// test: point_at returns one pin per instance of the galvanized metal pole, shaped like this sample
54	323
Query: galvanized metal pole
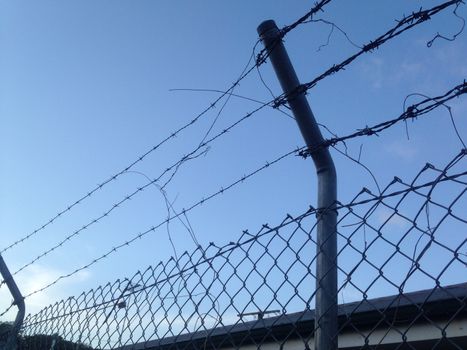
19	302
326	266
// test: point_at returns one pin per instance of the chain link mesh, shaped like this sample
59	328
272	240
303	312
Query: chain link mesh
402	258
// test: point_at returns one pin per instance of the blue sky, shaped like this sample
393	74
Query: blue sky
85	89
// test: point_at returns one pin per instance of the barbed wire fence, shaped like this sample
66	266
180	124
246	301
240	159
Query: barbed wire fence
260	60
414	239
169	172
167	175
414	111
260	290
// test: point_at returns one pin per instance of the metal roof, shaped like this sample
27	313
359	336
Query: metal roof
438	303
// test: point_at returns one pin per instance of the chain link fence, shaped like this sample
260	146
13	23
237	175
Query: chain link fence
402	258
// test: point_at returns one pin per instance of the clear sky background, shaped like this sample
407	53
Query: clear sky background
85	89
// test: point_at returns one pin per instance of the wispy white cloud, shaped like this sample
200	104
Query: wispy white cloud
373	70
381	73
406	71
422	69
37	277
402	150
453	58
387	217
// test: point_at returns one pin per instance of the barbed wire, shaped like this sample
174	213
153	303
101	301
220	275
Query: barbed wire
414	111
247	238
154	228
408	22
220	251
411	113
7	309
402	26
246	72
318	7
448	108
264	53
173	168
114	177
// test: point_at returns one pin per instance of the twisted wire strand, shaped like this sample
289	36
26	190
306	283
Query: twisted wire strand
411	113
174	167
173	217
414	111
227	93
266	229
114	177
403	25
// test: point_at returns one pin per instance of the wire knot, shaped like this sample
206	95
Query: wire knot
367	131
371	46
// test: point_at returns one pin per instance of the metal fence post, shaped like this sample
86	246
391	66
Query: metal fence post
18	301
326	266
